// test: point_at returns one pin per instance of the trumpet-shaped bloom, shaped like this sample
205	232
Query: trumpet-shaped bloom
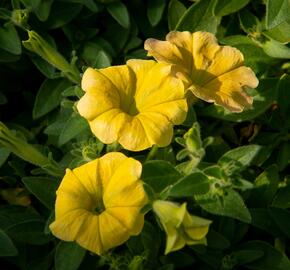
136	104
98	204
212	72
181	227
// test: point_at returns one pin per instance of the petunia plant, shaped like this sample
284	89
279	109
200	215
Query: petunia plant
144	134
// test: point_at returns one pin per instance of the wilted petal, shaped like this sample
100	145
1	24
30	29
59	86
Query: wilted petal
216	73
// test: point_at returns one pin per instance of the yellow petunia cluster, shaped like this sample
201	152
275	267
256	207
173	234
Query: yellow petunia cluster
137	104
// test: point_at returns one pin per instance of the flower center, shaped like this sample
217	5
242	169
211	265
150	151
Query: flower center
131	108
99	207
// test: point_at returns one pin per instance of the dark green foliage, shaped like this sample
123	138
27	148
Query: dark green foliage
231	168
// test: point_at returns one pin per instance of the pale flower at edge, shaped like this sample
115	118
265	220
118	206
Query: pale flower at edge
211	72
135	104
181	228
98	204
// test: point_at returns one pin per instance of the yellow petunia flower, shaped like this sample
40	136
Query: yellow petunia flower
181	227
98	204
212	72
135	104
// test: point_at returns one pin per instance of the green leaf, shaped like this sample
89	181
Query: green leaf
31	3
283	158
4	154
155	9
284	94
199	16
261	219
159	174
44	67
193	184
266	185
120	13
216	240
238	158
9	40
43	9
43	188
282	218
29	231
49	96
226	7
248	21
7	247
68	256
263	98
282	198
271	260
276	49
245	256
62	13
73	126
96	56
280	33
277	11
175	11
230	204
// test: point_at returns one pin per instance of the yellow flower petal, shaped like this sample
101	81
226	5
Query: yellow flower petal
98	204
101	95
66	228
158	129
130	95
173	240
158	87
108	165
196	228
130	217
107	126
212	72
71	195
113	232
124	188
133	136
169	212
124	80
89	235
